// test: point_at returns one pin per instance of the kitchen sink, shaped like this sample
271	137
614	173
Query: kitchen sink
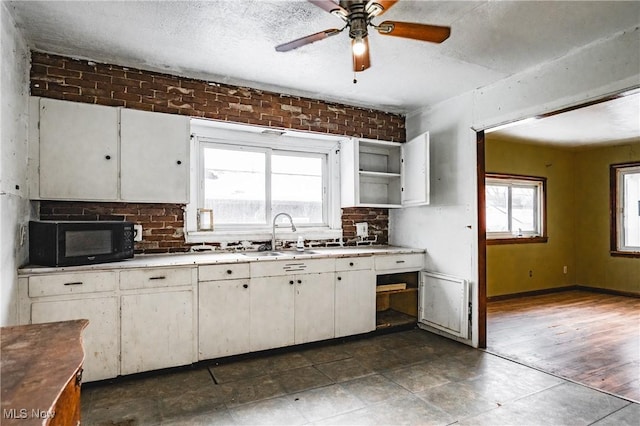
277	253
264	254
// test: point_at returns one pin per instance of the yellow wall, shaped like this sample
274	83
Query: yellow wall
508	265
577	221
594	265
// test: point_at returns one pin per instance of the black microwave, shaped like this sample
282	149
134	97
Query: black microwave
68	243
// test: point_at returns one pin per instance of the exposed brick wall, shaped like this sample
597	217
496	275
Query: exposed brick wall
81	81
69	79
378	223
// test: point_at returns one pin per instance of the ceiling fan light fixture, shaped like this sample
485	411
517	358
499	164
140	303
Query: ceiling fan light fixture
359	46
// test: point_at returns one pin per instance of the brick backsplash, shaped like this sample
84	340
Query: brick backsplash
60	77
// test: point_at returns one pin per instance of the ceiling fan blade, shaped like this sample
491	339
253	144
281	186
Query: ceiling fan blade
307	40
330	7
378	7
361	62
432	33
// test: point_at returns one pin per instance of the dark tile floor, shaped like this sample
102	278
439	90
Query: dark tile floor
405	378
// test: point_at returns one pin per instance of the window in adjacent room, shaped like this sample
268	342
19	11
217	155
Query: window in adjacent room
625	209
515	208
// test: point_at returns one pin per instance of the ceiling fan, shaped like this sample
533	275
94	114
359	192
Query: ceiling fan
357	15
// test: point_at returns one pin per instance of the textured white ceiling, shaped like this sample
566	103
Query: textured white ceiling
233	42
612	122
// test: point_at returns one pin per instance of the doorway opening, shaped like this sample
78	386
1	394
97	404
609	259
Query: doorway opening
533	281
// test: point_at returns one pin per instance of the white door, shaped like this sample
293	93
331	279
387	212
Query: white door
444	303
415	171
272	317
224	315
355	302
78	151
99	339
314	307
154	156
157	330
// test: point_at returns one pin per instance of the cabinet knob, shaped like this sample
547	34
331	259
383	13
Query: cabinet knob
350	263
108	157
245	285
299	281
291	282
229	271
178	162
339	278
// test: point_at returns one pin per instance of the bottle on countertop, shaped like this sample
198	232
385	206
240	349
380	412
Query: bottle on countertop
300	244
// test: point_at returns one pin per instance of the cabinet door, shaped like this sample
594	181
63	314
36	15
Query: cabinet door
100	338
415	171
78	151
157	330
355	302
272	315
224	316
154	156
314	307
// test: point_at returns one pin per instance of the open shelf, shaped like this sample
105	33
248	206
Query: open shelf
391	318
406	290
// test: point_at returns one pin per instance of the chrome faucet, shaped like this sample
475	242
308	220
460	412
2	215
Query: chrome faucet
273	230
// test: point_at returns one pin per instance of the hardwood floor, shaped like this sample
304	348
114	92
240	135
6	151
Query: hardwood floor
591	338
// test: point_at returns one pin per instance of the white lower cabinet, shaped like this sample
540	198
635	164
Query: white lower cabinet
355	302
223	318
291	309
272	312
314	307
99	339
156	330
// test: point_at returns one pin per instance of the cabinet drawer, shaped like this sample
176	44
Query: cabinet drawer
291	267
61	284
223	272
400	261
155	278
354	263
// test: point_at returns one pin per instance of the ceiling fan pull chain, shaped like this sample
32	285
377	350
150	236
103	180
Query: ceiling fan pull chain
354	78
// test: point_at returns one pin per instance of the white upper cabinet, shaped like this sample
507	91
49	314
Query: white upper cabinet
415	171
154	156
384	174
99	153
78	151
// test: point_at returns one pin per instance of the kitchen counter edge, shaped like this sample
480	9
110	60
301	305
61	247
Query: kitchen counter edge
212	258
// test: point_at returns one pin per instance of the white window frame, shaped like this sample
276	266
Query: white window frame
618	173
512	181
211	133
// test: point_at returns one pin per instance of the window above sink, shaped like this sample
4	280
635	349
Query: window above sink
245	174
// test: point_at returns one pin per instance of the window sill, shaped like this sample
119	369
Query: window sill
616	253
517	240
260	235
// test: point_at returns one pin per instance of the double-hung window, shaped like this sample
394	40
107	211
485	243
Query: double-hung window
246	186
246	176
515	207
625	209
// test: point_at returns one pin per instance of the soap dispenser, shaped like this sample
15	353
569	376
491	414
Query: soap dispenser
300	244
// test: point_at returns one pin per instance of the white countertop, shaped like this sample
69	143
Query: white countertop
220	257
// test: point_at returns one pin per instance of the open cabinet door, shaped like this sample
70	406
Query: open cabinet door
415	171
444	303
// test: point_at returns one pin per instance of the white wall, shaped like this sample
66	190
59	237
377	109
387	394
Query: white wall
14	204
602	68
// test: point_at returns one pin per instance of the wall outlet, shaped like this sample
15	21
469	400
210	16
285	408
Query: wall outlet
137	229
362	229
564	269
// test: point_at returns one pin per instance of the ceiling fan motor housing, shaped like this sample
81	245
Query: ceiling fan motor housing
358	19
